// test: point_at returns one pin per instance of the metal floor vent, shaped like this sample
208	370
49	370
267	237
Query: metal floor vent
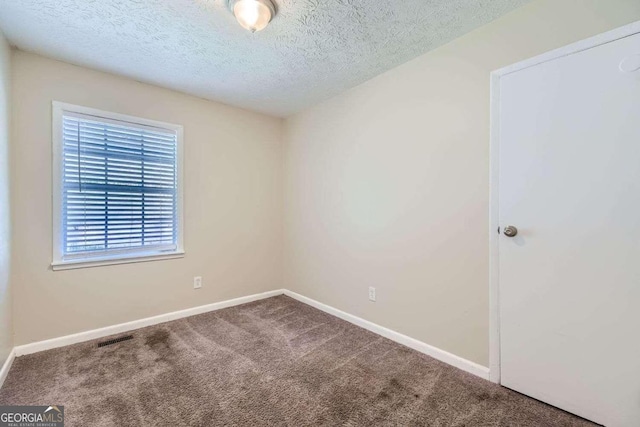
115	340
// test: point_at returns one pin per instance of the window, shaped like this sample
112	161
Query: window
117	192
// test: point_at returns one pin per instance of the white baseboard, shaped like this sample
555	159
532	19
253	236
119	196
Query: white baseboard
429	350
6	366
436	353
35	347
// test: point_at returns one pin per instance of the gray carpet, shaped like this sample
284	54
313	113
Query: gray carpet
274	362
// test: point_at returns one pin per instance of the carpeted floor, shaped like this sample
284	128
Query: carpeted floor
274	362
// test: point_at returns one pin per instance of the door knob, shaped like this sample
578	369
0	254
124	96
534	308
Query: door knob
510	231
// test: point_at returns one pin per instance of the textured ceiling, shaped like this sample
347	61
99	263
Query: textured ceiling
312	50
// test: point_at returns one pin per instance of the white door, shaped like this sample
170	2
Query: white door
569	281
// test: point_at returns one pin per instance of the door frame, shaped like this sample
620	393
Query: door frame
494	236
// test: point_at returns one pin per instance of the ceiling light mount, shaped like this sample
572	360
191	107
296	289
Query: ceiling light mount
254	15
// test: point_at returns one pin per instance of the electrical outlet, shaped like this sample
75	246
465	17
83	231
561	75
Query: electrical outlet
372	294
197	282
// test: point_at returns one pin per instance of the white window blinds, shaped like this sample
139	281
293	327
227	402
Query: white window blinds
119	189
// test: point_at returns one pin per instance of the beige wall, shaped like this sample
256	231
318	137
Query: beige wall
387	184
6	327
233	205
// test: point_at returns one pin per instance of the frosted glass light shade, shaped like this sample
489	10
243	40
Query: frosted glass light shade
254	15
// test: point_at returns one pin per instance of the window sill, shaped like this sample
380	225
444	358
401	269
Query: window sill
112	260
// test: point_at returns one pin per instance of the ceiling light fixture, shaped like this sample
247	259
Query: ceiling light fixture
254	15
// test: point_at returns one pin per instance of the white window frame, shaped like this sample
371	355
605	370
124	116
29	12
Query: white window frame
59	262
